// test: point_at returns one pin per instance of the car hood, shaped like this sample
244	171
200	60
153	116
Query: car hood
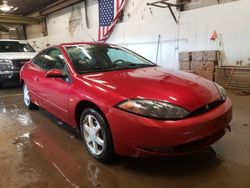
17	55
180	88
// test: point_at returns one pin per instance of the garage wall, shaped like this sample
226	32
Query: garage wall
142	26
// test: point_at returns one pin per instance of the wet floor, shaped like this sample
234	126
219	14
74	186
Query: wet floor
37	150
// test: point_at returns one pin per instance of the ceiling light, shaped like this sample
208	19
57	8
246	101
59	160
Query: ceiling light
5	7
12	29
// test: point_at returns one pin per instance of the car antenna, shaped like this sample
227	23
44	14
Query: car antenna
90	36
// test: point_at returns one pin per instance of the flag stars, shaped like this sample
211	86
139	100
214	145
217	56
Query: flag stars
106	12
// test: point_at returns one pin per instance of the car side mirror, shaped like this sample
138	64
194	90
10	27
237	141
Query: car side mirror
55	73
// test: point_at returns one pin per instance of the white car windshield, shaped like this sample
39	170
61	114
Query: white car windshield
15	46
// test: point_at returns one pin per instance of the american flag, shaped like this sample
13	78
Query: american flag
109	13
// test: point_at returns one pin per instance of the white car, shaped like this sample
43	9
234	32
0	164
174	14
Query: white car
13	55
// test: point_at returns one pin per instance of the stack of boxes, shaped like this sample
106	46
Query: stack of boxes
201	63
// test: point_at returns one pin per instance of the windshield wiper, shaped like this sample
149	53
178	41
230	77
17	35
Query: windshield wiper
117	67
97	69
101	68
134	65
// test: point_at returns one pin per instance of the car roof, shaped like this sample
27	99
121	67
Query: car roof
79	43
11	40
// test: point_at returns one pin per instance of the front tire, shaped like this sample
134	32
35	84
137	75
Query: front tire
26	98
96	135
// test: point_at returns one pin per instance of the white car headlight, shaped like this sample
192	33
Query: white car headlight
153	109
5	65
222	91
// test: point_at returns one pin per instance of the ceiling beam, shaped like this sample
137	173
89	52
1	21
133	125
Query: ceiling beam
14	19
61	4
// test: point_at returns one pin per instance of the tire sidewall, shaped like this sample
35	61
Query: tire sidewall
31	105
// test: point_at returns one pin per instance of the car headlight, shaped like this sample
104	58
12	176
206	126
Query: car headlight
5	65
153	109
222	91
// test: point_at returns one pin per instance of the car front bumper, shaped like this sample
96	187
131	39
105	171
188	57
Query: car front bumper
138	136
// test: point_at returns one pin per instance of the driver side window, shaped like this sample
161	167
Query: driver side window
53	59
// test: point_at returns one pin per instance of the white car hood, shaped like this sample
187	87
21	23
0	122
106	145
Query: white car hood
17	55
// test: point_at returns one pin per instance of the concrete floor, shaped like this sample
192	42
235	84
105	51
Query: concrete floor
36	150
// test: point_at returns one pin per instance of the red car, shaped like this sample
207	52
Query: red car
123	103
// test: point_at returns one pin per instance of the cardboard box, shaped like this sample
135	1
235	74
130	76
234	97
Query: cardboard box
184	56
210	55
197	56
205	74
184	65
203	65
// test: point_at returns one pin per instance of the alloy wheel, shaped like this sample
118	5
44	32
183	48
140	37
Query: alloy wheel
93	135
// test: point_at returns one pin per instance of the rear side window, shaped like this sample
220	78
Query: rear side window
39	60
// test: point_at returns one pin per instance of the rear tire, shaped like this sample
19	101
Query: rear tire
26	98
96	135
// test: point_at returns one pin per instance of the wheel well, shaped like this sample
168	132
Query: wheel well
82	106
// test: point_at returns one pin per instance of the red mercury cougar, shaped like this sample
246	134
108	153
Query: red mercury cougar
124	104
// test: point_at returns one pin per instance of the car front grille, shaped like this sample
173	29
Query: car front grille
18	63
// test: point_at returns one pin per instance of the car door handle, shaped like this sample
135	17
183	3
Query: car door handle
36	79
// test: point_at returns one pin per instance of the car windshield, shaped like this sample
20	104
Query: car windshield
15	46
96	58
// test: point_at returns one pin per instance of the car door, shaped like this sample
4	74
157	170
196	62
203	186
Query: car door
33	77
55	91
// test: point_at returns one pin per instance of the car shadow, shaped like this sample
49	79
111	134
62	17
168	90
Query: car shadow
173	166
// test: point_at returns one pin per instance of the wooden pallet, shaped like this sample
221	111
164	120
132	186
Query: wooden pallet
236	78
